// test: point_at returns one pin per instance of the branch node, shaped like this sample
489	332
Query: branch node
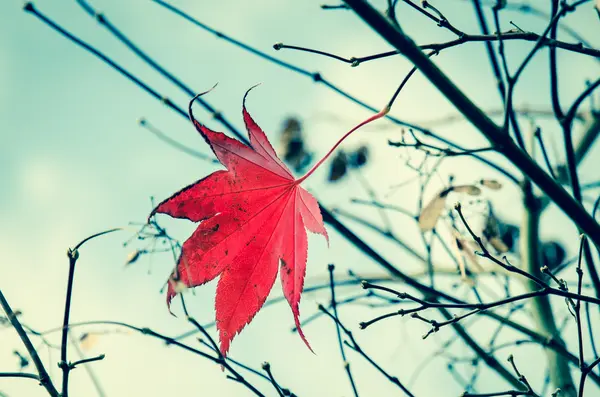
73	254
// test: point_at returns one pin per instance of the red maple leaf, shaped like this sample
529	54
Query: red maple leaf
253	221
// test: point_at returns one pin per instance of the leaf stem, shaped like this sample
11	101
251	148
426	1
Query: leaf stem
379	115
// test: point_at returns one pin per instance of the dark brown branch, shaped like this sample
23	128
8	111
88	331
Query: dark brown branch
538	338
491	131
466	38
43	377
170	341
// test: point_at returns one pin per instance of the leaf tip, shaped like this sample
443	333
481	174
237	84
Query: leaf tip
296	313
246	95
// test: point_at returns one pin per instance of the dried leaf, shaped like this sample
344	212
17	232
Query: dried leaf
491	184
500	236
471	190
467	251
133	257
457	248
491	232
498	244
88	340
432	212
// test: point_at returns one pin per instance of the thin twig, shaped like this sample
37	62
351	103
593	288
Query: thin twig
73	255
43	376
356	347
347	368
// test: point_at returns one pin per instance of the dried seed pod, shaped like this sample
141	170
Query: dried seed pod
338	167
292	145
553	254
359	157
510	236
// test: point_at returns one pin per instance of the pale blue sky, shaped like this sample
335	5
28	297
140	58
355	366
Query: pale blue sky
73	162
